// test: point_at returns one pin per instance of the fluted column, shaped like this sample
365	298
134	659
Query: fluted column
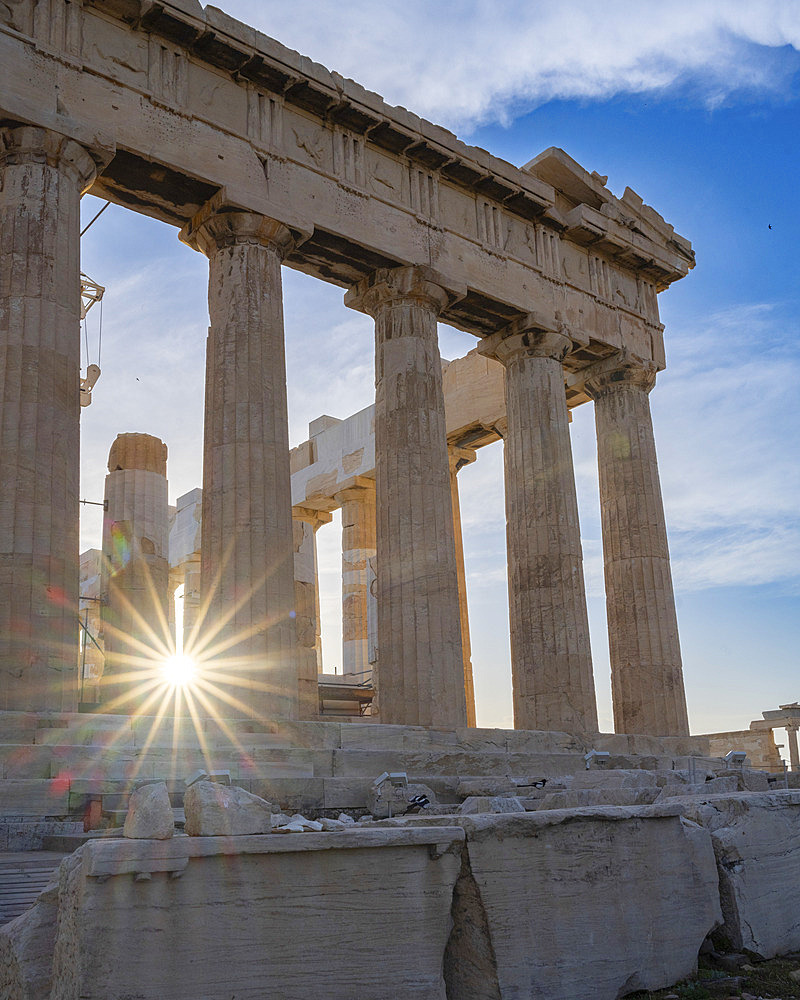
358	558
646	670
306	606
135	570
42	177
459	457
550	654
791	739
419	640
247	552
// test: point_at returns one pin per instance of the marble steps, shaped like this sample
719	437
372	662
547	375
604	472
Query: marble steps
23	876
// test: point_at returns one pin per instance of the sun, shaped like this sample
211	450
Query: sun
179	670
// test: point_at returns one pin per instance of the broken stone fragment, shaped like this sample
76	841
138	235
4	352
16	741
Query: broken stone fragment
149	813
347	820
332	824
308	825
291	827
215	810
378	801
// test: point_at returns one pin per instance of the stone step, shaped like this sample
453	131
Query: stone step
23	876
99	729
363	763
25	798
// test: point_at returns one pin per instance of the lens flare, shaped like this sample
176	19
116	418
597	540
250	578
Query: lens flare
179	671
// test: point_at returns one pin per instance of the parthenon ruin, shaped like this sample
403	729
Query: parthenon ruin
420	855
263	159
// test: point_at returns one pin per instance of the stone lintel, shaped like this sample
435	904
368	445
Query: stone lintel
791	714
224	220
389	284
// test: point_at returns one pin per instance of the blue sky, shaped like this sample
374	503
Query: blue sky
697	108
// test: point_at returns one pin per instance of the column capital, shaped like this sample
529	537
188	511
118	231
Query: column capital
359	489
30	144
316	518
624	372
459	457
221	222
403	284
533	335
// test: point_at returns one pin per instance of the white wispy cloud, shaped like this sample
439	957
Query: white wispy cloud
470	61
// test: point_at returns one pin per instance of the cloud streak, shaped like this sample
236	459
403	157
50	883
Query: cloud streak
468	62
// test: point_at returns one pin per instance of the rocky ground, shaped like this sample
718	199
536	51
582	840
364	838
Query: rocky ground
736	977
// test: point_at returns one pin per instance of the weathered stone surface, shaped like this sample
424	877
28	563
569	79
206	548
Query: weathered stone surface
551	661
589	905
615	796
214	810
421	678
26	950
293	826
646	670
724	785
135	564
42	177
491	804
756	838
485	786
150	814
358	573
398	798
305	524
616	778
332	825
247	539
258	917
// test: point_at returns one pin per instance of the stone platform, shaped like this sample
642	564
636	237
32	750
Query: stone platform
54	768
605	880
589	904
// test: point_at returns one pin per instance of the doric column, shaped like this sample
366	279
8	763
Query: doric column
419	642
646	671
550	655
135	568
247	551
42	177
358	559
459	457
306	607
791	738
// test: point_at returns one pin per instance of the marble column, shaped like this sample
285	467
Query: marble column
358	559
459	457
248	637
42	177
192	606
791	739
419	635
553	684
135	570
306	606
646	670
